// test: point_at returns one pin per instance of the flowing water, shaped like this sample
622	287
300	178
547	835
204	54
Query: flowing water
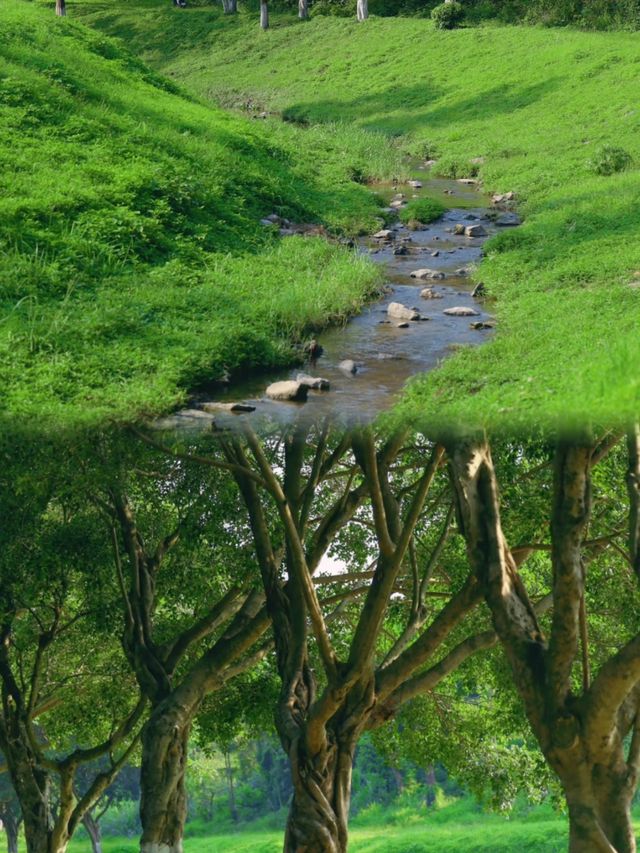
386	355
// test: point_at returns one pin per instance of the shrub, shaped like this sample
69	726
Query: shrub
422	209
609	159
448	16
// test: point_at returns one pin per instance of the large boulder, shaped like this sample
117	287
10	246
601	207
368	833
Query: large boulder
289	390
398	311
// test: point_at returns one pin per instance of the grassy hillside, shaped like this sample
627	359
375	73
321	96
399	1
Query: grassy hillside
132	261
537	105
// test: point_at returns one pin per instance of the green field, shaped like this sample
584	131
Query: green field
536	104
483	837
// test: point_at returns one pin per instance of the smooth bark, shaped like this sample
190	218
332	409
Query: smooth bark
362	10
61	8
264	15
303	9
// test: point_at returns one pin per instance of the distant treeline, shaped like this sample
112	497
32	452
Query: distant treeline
590	14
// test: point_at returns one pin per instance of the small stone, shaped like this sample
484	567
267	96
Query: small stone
348	366
403	325
396	205
480	325
470	182
434	275
462	271
475	231
435	254
416	225
461	311
237	407
478	290
288	390
385	234
402	312
267	222
508	220
430	293
315	383
417	185
459	229
401	250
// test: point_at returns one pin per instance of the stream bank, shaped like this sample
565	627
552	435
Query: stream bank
367	361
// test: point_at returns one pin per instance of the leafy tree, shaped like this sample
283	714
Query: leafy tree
581	702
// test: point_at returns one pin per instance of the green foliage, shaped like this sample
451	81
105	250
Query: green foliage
610	159
448	16
423	209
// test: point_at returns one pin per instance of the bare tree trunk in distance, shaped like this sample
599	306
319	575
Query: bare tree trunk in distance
264	15
61	8
93	831
303	10
362	10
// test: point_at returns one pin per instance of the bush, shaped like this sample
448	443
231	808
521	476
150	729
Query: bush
609	159
423	210
448	16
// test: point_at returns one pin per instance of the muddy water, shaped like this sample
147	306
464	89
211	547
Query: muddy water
386	356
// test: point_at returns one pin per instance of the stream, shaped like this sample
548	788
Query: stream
385	354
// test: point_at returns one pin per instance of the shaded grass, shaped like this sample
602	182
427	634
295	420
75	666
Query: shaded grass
536	105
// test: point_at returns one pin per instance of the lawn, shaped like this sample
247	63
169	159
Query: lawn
482	837
536	105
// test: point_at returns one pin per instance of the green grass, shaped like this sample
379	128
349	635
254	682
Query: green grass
537	105
132	260
422	210
484	836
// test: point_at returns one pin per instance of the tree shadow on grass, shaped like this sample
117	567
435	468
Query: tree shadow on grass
401	109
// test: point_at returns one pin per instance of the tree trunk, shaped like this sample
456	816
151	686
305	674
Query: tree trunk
12	830
599	801
233	6
362	10
303	9
163	797
61	8
232	794
32	786
264	15
93	831
319	811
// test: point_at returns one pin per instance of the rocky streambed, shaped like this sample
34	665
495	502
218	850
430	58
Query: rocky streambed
432	304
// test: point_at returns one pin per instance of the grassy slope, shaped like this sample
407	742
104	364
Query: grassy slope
132	262
535	104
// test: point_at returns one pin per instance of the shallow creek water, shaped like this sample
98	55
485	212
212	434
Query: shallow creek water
386	355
